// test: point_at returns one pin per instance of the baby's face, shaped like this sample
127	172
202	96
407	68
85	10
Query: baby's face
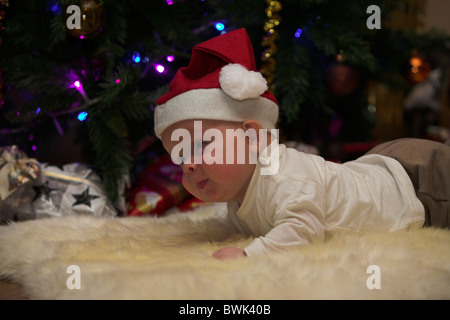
212	169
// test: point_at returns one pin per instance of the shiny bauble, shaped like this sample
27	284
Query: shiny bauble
90	17
342	79
418	69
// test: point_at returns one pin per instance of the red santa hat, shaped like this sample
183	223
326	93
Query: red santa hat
220	83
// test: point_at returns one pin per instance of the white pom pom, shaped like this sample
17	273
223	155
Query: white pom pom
240	83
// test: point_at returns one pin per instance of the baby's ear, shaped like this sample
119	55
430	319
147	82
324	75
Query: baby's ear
252	124
253	136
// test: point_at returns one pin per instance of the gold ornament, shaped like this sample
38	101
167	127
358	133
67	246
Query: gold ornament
91	19
269	41
419	68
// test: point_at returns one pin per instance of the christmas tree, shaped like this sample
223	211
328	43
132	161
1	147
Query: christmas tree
106	73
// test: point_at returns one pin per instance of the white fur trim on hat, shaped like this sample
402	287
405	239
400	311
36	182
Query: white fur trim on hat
214	104
240	83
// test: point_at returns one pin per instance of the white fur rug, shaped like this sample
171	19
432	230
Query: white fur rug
170	258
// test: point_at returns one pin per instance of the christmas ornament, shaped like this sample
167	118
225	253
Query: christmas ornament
268	41
418	68
342	79
91	19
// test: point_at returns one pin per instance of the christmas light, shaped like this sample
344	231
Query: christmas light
159	68
81	37
77	84
220	26
117	80
170	58
55	8
82	116
169	2
136	57
298	33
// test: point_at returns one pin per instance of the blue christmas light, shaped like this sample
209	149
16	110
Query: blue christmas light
82	116
298	33
220	26
136	57
54	7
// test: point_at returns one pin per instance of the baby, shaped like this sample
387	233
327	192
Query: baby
218	122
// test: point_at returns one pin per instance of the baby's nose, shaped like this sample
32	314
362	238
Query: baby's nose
189	168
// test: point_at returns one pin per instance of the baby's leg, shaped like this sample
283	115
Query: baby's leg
428	165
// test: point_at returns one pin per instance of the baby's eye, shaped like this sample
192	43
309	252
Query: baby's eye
200	144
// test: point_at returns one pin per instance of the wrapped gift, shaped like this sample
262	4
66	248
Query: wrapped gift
16	169
191	204
59	190
157	189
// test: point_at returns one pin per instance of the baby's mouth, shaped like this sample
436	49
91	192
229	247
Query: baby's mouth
201	185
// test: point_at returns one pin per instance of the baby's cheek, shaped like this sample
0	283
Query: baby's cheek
228	173
185	181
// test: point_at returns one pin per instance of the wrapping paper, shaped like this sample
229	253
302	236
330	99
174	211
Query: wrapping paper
157	189
16	169
70	189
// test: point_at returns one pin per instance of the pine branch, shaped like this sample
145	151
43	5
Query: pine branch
112	152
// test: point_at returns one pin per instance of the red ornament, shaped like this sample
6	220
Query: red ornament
342	79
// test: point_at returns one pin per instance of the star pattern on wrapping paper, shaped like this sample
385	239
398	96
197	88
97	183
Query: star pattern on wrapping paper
42	190
84	198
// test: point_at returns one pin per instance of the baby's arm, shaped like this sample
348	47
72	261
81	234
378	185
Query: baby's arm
291	228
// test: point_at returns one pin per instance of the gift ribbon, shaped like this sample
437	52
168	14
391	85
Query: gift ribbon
69	178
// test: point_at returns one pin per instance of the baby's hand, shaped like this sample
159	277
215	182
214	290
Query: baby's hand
229	253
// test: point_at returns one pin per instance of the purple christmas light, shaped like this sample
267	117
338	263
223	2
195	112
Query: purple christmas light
159	68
